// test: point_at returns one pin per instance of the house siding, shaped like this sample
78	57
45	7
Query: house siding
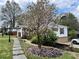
62	38
65	31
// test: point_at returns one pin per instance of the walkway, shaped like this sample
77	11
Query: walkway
17	50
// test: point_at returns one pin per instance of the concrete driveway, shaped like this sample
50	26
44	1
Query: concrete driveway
73	45
69	44
76	45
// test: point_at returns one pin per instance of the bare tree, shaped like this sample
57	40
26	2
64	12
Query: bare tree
9	12
38	17
41	14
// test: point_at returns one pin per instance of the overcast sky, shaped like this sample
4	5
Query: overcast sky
64	6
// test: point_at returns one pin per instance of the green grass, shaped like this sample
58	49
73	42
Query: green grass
65	56
31	56
5	48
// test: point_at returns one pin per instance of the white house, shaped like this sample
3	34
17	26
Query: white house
61	31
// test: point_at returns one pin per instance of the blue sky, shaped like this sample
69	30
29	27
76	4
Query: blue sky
63	6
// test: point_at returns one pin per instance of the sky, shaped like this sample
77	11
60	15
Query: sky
63	6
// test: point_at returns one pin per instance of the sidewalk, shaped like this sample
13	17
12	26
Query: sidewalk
17	50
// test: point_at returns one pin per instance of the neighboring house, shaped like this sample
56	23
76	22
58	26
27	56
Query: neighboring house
61	31
13	30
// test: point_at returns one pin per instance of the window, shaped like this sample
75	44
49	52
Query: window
61	30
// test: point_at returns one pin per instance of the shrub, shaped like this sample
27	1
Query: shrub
35	40
72	34
48	40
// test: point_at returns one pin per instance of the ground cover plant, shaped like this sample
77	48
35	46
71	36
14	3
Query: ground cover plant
26	46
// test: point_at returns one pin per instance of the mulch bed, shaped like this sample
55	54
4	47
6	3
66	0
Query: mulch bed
45	52
66	47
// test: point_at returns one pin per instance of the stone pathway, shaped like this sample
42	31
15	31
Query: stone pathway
17	50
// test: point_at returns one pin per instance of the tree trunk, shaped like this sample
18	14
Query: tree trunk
38	34
39	41
13	21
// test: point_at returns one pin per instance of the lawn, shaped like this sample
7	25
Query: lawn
65	56
5	48
31	56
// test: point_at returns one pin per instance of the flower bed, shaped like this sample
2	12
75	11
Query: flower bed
45	52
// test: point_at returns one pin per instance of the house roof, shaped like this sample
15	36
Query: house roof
52	24
62	26
22	26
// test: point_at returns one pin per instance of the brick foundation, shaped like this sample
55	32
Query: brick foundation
62	40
